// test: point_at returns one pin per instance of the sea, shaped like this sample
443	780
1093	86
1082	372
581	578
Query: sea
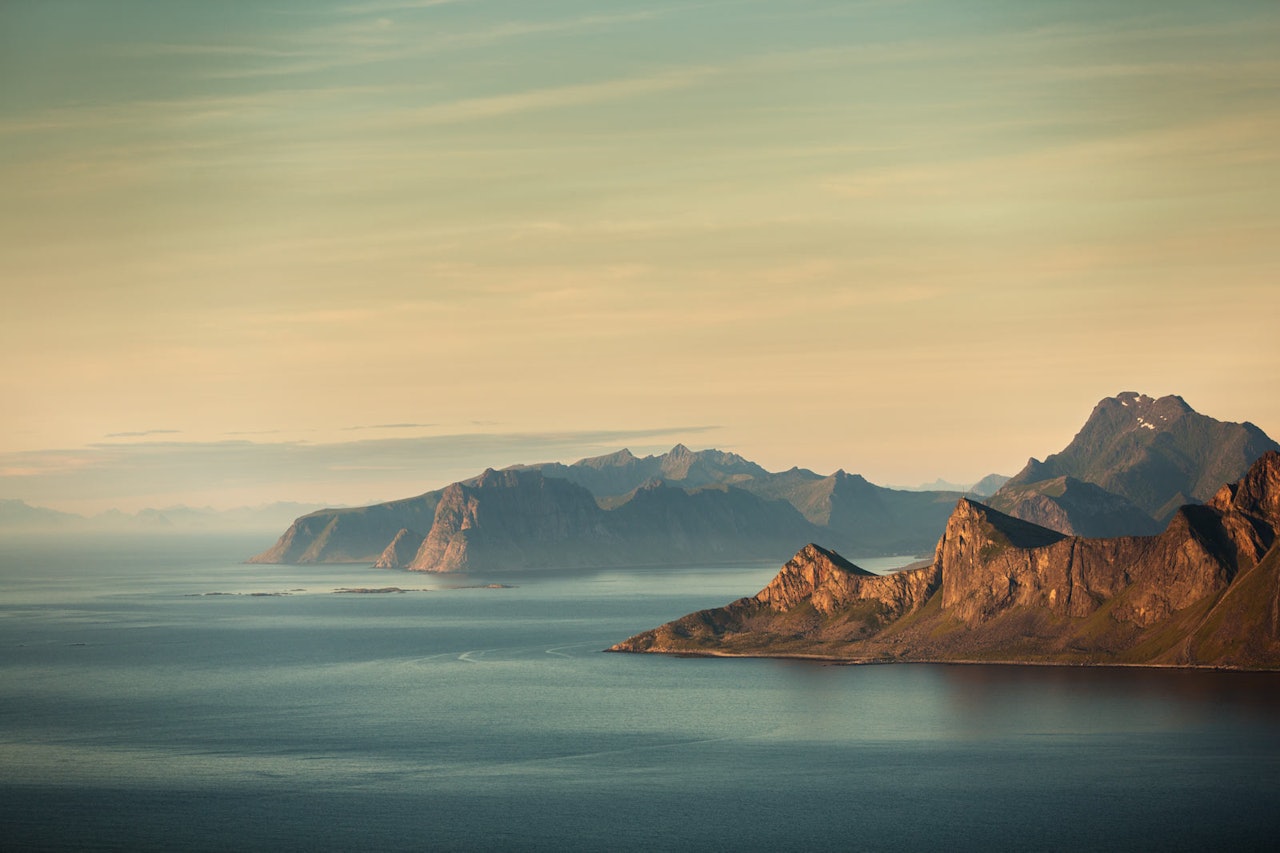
158	694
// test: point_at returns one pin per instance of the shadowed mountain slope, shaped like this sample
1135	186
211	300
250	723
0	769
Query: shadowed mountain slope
520	519
679	507
1156	454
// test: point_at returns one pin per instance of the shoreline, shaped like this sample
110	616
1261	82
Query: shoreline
847	661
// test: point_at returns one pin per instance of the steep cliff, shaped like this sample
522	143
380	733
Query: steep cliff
520	519
515	519
1205	591
355	535
401	551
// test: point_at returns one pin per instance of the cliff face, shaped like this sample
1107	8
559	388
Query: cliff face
987	571
1205	591
400	553
513	519
520	519
356	535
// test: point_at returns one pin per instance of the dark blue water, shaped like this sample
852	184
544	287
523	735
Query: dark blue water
138	712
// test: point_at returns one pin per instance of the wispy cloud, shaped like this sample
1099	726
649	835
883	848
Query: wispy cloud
142	433
387	426
474	109
382	6
370	41
179	112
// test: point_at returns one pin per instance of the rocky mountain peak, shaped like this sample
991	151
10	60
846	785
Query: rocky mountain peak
817	555
616	459
976	522
1133	412
677	462
824	579
1156	453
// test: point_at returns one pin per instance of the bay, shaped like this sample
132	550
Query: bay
155	693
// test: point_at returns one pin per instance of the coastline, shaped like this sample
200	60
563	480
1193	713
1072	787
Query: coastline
834	660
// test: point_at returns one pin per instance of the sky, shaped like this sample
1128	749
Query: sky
339	252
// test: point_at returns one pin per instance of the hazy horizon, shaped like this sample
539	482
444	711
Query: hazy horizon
344	252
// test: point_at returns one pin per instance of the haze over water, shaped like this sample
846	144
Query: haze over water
137	711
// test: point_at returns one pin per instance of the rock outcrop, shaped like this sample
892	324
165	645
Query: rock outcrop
400	553
1203	592
817	602
515	519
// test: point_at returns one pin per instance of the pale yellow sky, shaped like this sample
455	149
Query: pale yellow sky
909	239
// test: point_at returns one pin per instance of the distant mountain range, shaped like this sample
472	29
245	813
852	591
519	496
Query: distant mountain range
1134	460
1203	592
18	516
678	507
985	487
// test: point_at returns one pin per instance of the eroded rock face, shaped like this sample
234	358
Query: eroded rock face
986	570
350	535
817	594
512	518
1204	591
400	553
518	519
828	582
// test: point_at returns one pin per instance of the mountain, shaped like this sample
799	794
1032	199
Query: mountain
1203	592
521	519
19	515
351	534
938	485
622	472
1146	457
988	485
518	518
984	487
678	507
1076	508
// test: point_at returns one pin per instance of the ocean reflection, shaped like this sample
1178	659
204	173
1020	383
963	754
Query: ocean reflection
1091	699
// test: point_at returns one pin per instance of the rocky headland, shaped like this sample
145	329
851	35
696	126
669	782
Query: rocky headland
1205	591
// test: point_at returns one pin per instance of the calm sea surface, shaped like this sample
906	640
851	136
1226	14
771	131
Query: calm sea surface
139	711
